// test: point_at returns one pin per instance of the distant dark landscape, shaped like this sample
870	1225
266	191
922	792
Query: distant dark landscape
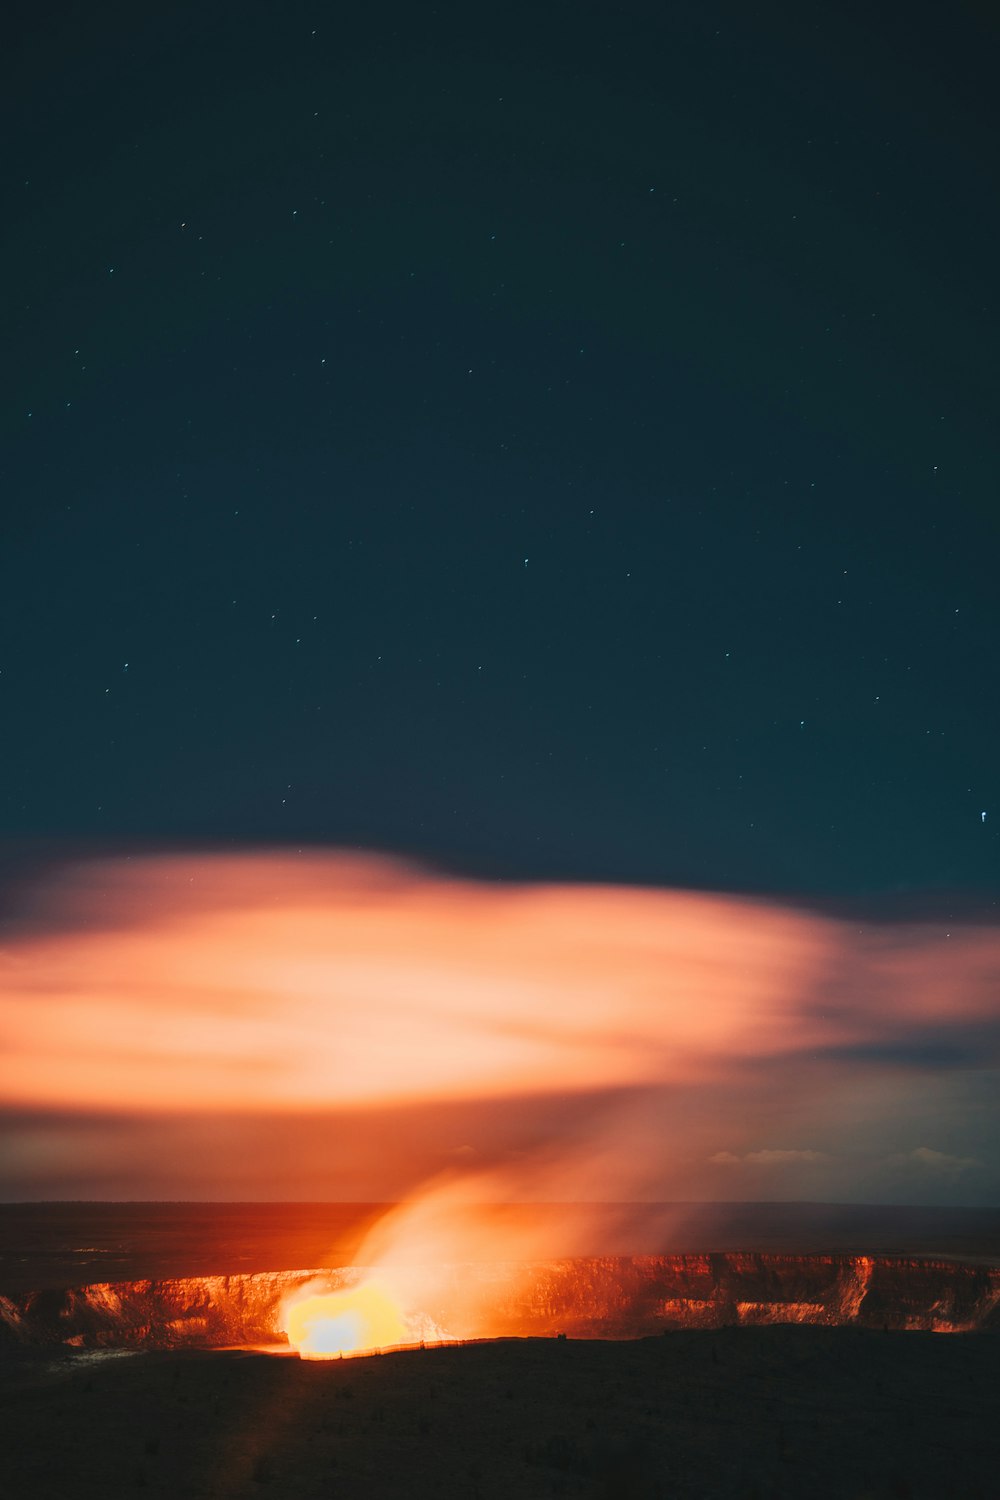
55	1245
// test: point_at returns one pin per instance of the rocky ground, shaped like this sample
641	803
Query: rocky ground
798	1412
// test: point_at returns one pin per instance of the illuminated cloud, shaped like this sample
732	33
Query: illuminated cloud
325	1024
268	982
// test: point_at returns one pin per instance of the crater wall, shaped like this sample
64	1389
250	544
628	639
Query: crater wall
607	1297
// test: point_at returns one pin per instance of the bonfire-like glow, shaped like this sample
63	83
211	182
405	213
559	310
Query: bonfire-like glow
331	1324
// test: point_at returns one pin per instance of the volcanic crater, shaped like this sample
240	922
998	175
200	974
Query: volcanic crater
610	1297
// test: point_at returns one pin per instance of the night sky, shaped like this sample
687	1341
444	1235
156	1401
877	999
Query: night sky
499	602
550	441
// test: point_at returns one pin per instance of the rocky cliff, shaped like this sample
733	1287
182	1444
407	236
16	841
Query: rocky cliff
610	1297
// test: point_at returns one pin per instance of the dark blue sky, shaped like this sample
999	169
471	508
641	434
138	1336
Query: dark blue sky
553	441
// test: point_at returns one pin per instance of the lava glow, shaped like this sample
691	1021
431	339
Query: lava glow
330	1325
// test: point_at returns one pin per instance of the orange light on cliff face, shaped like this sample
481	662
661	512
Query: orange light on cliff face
348	1322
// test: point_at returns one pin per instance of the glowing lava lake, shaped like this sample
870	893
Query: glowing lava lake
327	1325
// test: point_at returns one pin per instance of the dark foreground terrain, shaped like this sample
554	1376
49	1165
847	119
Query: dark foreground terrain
800	1412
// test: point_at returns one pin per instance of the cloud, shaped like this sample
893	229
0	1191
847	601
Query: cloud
768	1158
171	1020
774	1158
940	1161
274	982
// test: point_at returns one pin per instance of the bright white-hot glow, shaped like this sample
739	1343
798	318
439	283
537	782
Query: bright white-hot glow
326	1325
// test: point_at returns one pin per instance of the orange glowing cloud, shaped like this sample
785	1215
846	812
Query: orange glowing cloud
222	983
284	984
